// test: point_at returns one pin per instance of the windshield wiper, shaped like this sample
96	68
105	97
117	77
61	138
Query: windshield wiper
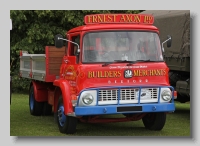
106	63
129	62
122	61
117	61
143	61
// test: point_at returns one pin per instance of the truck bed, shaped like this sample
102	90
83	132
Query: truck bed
42	67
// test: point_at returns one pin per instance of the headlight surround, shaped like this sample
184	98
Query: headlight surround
87	99
166	95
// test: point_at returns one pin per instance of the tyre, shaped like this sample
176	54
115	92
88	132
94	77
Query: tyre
173	78
66	124
177	76
182	99
36	108
154	121
47	109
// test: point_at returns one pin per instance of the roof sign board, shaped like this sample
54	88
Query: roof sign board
119	18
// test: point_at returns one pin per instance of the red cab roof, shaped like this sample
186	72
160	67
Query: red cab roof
90	27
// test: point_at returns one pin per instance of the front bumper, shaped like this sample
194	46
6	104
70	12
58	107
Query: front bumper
128	108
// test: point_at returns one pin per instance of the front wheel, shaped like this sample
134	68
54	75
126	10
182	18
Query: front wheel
66	124
154	121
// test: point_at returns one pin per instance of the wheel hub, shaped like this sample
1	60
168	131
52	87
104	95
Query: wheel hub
61	116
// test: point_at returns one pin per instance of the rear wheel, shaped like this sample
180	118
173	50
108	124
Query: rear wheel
173	78
47	109
154	121
36	108
66	124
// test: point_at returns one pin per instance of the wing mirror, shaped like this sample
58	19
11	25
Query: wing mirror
169	42
58	41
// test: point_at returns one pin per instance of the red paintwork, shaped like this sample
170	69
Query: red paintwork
50	78
175	94
51	97
20	53
40	91
100	27
65	88
57	93
47	59
85	82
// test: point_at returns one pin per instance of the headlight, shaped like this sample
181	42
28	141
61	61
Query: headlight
166	95
88	99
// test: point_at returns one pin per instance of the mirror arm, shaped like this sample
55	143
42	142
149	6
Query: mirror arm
71	42
165	42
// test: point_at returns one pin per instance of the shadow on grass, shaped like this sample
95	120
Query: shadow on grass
110	129
182	111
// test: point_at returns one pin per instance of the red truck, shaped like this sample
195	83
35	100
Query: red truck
111	65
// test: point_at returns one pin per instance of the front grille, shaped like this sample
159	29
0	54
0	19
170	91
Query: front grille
127	95
154	92
108	95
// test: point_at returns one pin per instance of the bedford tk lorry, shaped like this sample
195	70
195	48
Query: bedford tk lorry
112	65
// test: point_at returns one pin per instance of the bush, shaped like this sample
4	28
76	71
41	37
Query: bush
20	85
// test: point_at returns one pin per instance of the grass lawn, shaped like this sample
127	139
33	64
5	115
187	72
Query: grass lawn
24	124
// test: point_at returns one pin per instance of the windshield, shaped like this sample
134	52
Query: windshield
121	46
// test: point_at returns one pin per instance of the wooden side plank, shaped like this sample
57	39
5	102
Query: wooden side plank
55	57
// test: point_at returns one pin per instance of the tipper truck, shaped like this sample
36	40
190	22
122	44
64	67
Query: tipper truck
112	65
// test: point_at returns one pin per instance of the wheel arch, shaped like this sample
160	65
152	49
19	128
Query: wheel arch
63	88
40	90
57	94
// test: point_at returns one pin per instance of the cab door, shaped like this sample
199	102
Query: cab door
71	63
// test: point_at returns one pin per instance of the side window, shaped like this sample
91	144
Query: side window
74	47
66	45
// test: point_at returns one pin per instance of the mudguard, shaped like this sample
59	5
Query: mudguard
65	89
40	91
